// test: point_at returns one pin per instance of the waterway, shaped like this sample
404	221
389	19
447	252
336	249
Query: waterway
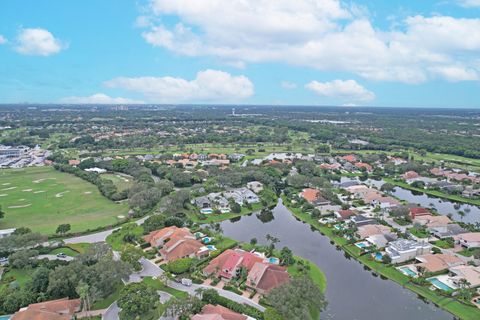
443	206
352	292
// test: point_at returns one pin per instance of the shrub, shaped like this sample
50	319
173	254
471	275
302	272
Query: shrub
180	266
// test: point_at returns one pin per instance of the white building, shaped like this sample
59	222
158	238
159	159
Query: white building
403	250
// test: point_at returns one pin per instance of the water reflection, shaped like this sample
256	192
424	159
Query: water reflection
352	292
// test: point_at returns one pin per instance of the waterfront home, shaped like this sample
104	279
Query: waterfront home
176	243
61	309
470	192
264	277
410	175
229	263
255	186
447	231
402	250
372	229
343	215
432	221
241	195
469	273
202	202
468	240
360	190
314	197
361	220
438	262
328	209
419	211
211	312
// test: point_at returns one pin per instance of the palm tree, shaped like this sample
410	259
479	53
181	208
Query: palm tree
83	290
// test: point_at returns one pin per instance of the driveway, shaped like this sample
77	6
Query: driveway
112	312
53	257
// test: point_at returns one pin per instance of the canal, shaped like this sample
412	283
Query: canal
352	292
443	206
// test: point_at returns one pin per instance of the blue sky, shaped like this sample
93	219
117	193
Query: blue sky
304	52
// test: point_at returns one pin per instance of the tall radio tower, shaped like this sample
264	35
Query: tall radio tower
233	112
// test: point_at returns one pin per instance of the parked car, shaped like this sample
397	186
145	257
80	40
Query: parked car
187	282
61	255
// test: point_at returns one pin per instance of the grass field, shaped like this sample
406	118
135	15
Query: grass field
41	198
121	182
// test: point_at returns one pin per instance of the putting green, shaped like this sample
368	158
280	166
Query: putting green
41	198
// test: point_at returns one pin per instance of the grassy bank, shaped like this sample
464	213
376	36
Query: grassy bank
459	309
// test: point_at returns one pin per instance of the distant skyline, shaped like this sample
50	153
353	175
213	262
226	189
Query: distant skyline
304	52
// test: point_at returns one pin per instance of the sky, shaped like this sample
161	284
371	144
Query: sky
305	52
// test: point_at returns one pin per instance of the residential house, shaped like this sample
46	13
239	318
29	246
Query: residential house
255	186
229	263
350	158
469	273
438	262
362	165
419	211
6	232
330	166
468	240
447	231
328	209
61	309
343	215
73	162
264	277
381	240
362	220
218	312
314	197
368	230
202	202
176	243
402	250
410	175
432	221
241	195
470	192
236	156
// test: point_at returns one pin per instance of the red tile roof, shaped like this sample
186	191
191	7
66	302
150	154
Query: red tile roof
419	211
211	312
310	194
61	309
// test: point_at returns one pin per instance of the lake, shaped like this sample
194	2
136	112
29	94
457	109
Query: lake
352	292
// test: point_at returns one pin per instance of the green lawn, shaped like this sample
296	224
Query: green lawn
317	276
158	285
65	250
115	240
461	310
443	244
214	217
19	275
119	181
105	303
41	198
79	247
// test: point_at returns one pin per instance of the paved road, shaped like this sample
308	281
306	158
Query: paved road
152	270
91	238
112	312
149	270
54	257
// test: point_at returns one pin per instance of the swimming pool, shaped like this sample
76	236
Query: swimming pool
5	317
439	284
273	260
207	240
211	247
408	271
378	256
206	211
361	245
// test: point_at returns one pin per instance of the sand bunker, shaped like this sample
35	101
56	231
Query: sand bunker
40	180
39	191
6	184
124	179
11	188
17	207
27	190
87	192
60	194
3	195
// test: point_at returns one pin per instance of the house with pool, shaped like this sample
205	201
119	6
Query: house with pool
403	250
468	240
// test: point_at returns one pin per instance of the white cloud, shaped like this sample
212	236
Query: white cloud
3	40
208	86
38	42
288	85
325	35
348	90
99	98
469	3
